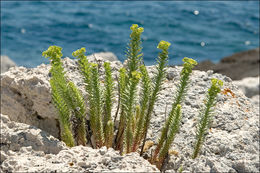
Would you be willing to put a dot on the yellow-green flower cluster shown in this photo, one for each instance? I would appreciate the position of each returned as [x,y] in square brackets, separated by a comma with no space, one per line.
[216,85]
[53,52]
[79,52]
[188,65]
[136,75]
[136,29]
[164,45]
[94,65]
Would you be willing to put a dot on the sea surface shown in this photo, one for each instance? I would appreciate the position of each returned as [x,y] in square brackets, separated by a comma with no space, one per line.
[198,29]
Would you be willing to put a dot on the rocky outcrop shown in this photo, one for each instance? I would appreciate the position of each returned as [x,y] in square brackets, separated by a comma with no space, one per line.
[26,98]
[26,148]
[15,135]
[237,66]
[108,56]
[6,63]
[256,100]
[250,86]
[232,144]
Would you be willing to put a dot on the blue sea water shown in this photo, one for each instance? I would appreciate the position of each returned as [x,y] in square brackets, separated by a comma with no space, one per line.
[198,29]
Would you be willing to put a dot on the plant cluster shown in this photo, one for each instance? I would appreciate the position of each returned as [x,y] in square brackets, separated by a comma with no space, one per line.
[134,114]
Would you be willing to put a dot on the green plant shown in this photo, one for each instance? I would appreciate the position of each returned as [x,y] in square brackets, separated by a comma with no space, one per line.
[134,49]
[122,85]
[96,113]
[67,100]
[129,105]
[206,115]
[108,94]
[178,98]
[135,112]
[173,129]
[86,70]
[134,57]
[141,110]
[156,87]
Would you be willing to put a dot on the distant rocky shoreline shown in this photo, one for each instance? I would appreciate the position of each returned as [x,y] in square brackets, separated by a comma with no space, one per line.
[237,66]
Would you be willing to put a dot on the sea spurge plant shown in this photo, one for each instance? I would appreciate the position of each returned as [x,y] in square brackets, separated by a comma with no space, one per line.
[188,65]
[64,115]
[80,53]
[156,86]
[108,95]
[206,115]
[89,72]
[134,49]
[163,45]
[84,67]
[109,134]
[178,98]
[174,127]
[137,116]
[78,107]
[122,80]
[64,94]
[122,86]
[96,113]
[53,53]
[135,106]
[134,57]
[142,109]
[129,99]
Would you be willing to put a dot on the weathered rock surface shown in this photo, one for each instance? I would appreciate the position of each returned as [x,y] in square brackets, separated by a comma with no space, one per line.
[108,56]
[237,66]
[6,63]
[250,86]
[232,144]
[26,148]
[15,135]
[256,100]
[26,98]
[233,141]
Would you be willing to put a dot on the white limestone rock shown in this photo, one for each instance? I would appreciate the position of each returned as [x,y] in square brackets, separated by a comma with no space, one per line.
[108,56]
[25,148]
[26,97]
[250,86]
[6,63]
[15,136]
[232,144]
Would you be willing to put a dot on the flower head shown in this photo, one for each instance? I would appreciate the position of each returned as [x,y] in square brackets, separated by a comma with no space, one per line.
[188,65]
[136,75]
[136,29]
[216,85]
[133,27]
[94,65]
[79,52]
[140,29]
[53,52]
[164,45]
[189,61]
